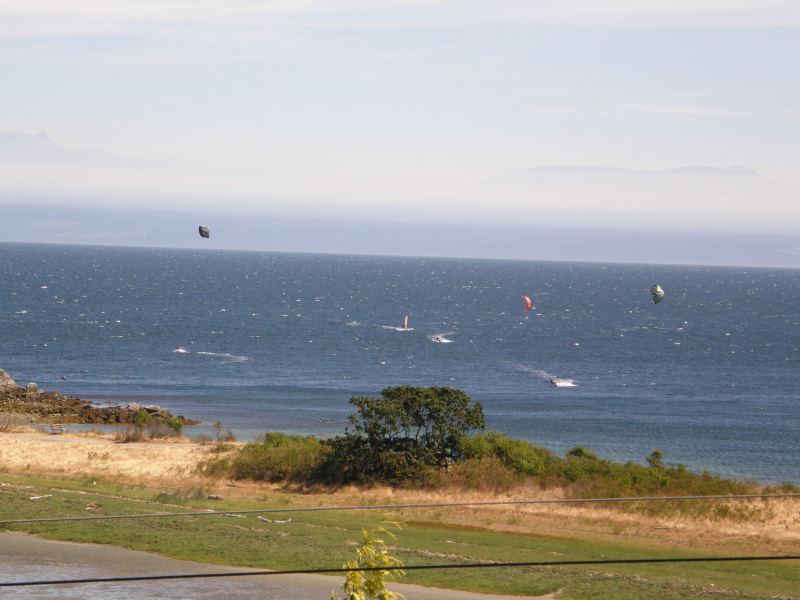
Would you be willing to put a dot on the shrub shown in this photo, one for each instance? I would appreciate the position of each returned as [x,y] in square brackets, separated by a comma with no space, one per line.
[141,419]
[355,459]
[215,467]
[280,457]
[581,452]
[175,424]
[163,428]
[520,456]
[601,478]
[223,435]
[487,473]
[129,434]
[147,426]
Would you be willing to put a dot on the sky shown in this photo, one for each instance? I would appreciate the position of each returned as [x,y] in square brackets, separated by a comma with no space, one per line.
[414,111]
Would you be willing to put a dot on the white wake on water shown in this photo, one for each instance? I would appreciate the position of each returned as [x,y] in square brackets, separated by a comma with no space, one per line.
[441,338]
[549,377]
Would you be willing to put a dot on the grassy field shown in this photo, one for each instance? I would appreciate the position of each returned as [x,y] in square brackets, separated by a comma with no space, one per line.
[327,539]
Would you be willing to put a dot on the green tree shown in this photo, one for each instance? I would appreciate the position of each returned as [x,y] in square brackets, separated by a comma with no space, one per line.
[435,418]
[401,435]
[656,459]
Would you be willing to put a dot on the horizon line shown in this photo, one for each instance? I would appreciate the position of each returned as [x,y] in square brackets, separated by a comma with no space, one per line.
[399,256]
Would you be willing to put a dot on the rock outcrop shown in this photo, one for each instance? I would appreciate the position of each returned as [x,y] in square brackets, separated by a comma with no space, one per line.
[6,382]
[55,407]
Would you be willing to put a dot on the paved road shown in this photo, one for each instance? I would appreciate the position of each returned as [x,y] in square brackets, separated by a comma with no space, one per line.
[24,557]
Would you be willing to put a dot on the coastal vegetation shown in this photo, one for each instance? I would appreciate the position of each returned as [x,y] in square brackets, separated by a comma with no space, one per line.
[419,445]
[433,438]
[149,425]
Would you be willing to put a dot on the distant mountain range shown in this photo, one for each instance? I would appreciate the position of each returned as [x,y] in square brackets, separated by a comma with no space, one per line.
[39,148]
[52,193]
[38,223]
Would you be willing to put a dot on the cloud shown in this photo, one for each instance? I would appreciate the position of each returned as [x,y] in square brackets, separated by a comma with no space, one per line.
[682,198]
[697,111]
[147,10]
[22,18]
[228,31]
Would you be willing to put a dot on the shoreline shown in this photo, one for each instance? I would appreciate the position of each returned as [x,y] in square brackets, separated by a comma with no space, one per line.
[330,424]
[33,405]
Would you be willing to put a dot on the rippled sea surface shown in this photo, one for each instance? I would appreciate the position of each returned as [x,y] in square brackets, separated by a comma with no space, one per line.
[711,376]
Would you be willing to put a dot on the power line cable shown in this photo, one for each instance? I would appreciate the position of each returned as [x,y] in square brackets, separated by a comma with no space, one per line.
[207,513]
[563,563]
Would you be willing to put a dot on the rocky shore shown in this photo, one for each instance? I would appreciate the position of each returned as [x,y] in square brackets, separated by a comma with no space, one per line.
[55,407]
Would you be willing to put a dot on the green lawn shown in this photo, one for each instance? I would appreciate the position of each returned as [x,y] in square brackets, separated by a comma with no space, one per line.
[321,540]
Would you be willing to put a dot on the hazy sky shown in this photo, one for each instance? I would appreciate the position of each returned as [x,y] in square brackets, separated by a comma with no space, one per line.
[386,108]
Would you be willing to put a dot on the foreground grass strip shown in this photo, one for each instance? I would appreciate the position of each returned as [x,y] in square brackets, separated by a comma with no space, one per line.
[334,570]
[252,543]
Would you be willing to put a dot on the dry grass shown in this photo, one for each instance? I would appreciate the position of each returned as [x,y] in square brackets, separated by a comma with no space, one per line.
[128,434]
[162,462]
[94,433]
[774,526]
[13,422]
[170,464]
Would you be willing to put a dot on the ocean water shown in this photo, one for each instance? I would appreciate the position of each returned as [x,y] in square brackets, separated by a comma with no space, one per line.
[281,342]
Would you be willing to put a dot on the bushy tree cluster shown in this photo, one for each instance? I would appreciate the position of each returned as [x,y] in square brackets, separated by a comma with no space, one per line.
[402,433]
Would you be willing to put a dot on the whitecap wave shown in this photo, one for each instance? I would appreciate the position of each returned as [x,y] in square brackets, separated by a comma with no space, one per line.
[225,355]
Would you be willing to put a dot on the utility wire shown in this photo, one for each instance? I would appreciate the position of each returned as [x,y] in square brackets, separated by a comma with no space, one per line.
[563,563]
[208,513]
